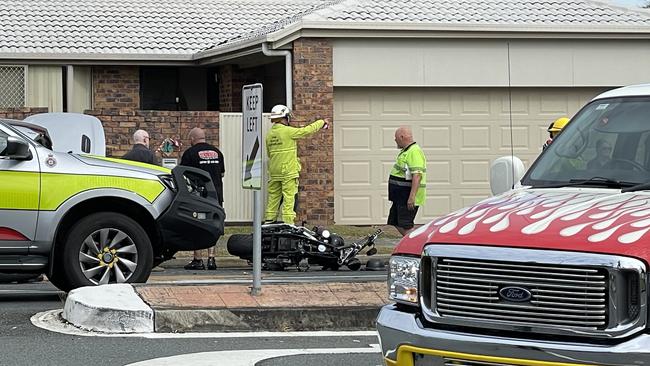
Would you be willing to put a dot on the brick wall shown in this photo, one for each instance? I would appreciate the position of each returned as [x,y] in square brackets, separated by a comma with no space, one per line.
[313,94]
[119,126]
[21,113]
[116,87]
[231,81]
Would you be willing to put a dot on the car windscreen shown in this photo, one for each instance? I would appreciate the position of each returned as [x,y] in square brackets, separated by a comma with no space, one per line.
[609,139]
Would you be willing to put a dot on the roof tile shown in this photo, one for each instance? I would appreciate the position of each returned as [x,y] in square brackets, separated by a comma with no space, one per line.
[185,27]
[175,27]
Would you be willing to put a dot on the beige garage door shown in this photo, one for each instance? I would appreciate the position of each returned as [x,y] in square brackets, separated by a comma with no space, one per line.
[461,130]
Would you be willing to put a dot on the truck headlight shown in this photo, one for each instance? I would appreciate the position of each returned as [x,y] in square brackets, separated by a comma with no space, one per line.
[403,279]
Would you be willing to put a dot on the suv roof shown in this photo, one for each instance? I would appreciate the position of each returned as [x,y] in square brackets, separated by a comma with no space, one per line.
[626,91]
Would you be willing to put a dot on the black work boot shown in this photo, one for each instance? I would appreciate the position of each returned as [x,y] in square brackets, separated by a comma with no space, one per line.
[212,264]
[195,264]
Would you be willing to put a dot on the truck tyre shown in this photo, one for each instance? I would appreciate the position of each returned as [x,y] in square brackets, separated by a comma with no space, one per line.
[106,247]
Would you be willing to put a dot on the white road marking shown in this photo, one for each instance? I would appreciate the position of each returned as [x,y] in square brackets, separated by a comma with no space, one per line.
[246,357]
[50,320]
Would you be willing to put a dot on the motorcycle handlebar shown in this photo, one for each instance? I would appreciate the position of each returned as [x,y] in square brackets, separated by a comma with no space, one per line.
[369,239]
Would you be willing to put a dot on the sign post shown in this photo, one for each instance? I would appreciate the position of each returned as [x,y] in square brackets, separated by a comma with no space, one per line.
[252,170]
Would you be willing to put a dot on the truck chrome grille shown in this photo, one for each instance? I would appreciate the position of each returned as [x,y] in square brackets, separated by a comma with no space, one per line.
[558,295]
[536,291]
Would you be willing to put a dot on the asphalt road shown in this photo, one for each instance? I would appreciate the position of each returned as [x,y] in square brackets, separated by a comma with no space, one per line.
[21,343]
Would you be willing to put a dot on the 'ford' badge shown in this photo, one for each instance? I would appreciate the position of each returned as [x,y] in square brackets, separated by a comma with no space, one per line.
[516,294]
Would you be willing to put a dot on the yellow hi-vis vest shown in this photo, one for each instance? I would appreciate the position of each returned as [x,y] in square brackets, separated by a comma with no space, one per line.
[282,149]
[410,160]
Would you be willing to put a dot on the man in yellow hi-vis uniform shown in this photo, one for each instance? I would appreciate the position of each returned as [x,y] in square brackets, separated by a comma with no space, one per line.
[284,166]
[407,182]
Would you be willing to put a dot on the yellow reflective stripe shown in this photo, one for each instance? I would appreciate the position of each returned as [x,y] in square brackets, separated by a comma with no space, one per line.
[405,358]
[18,190]
[57,188]
[129,162]
[286,149]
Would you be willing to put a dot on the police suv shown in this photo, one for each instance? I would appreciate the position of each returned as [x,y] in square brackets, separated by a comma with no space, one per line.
[91,220]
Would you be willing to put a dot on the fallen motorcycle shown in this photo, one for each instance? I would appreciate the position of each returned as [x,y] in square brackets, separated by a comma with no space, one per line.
[285,245]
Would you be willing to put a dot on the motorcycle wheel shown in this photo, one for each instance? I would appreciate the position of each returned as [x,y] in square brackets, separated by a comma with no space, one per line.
[241,245]
[354,264]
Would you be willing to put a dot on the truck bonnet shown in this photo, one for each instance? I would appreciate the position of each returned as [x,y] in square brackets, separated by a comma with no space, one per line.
[598,221]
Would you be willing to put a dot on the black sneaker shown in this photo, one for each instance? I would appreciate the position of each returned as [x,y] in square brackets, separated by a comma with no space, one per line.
[195,264]
[212,264]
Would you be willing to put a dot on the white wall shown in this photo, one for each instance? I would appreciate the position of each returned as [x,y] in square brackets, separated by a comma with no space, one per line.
[238,202]
[484,62]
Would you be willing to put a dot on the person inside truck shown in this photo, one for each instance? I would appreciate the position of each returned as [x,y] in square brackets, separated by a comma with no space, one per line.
[603,155]
[622,158]
[554,129]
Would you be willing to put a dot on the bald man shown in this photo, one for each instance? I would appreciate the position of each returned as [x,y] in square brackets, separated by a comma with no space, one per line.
[140,151]
[407,182]
[207,157]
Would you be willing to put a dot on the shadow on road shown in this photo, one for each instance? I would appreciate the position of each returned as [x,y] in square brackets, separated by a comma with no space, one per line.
[29,292]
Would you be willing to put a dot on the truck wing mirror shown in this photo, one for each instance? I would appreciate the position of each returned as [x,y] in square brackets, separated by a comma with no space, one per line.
[504,173]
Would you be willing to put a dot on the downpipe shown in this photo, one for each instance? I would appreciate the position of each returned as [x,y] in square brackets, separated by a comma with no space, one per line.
[288,66]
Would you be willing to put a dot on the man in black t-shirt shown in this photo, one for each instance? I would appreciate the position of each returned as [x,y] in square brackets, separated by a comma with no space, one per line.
[207,157]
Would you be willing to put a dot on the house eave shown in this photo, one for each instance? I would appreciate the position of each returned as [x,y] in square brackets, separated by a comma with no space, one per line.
[405,30]
[504,28]
[97,58]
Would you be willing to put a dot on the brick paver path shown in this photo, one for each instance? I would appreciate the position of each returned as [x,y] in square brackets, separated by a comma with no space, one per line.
[273,295]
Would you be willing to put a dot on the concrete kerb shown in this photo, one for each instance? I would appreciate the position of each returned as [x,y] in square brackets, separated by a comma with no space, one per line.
[119,309]
[114,308]
[267,319]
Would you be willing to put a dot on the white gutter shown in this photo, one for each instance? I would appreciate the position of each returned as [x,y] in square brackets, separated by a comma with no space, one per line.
[229,47]
[288,70]
[415,26]
[98,56]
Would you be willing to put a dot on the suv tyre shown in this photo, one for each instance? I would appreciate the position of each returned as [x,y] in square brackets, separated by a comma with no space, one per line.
[106,247]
